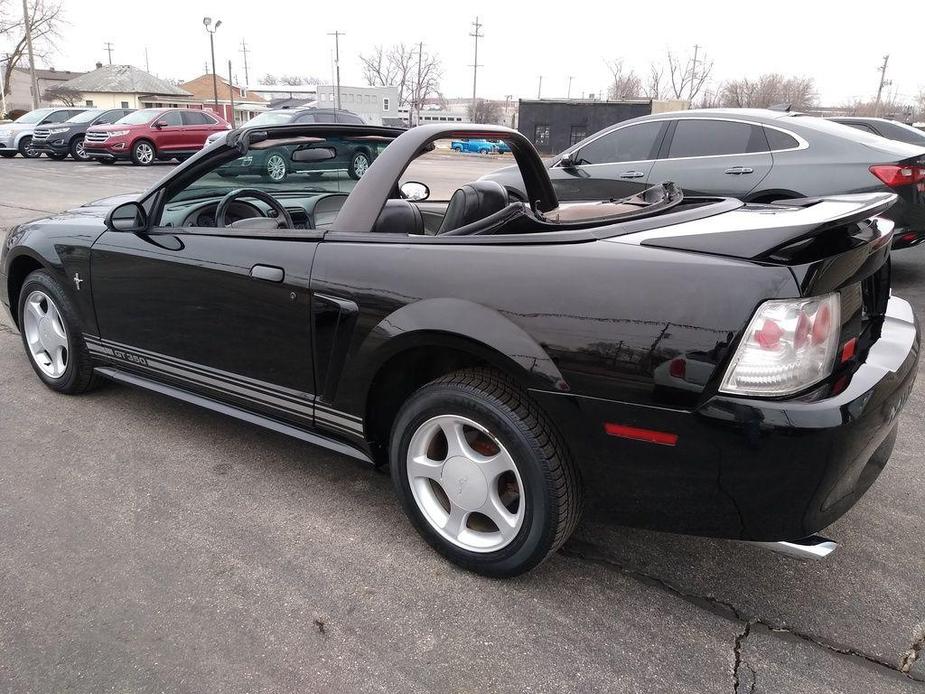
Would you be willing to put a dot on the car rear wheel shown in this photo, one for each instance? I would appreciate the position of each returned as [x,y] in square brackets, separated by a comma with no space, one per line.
[483,474]
[143,153]
[358,165]
[275,167]
[50,330]
[457,148]
[78,153]
[25,148]
[483,151]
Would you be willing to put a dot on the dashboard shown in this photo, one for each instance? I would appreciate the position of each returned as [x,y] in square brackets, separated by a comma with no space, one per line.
[308,211]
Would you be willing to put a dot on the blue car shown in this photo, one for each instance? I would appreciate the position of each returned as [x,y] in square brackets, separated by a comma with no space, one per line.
[480,146]
[501,146]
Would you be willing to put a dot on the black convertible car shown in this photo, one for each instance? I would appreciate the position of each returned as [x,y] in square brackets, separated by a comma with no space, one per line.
[689,364]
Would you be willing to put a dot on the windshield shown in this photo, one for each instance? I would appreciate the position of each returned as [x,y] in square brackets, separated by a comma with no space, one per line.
[276,167]
[145,115]
[34,116]
[271,118]
[86,116]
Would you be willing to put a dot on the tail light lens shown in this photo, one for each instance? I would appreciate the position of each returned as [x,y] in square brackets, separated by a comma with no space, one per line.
[895,175]
[789,345]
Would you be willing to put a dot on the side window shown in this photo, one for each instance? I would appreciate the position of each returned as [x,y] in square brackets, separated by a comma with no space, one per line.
[780,140]
[195,118]
[172,118]
[108,117]
[632,143]
[59,116]
[704,138]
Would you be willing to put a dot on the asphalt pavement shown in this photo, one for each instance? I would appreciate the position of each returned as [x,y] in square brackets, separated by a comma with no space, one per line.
[149,546]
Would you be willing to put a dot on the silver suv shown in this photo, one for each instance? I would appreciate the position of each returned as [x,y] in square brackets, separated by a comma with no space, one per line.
[16,137]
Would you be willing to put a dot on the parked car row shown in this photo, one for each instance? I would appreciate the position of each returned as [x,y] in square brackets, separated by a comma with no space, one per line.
[755,155]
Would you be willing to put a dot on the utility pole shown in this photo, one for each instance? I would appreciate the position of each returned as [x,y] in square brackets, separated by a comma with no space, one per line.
[539,89]
[247,79]
[337,34]
[231,94]
[207,23]
[147,63]
[884,82]
[690,97]
[419,93]
[108,49]
[569,94]
[27,23]
[2,90]
[475,63]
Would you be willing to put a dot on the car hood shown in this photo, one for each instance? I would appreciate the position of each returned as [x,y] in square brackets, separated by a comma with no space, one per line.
[17,127]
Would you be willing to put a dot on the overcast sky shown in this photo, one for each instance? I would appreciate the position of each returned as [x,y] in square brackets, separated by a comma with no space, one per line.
[839,46]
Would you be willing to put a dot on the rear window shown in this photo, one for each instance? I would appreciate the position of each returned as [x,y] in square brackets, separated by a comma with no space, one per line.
[780,140]
[196,118]
[704,138]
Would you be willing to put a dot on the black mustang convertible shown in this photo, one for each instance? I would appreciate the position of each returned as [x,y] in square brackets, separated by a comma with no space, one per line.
[689,364]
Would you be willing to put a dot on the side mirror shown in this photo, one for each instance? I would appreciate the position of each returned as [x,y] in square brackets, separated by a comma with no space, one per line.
[128,217]
[414,191]
[568,161]
[313,154]
[161,124]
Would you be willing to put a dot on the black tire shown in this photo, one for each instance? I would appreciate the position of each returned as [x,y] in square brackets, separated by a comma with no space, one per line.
[56,156]
[552,490]
[7,155]
[359,163]
[78,376]
[140,156]
[24,149]
[77,148]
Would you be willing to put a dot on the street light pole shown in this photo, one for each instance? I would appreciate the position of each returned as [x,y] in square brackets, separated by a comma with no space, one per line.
[337,35]
[207,22]
[27,23]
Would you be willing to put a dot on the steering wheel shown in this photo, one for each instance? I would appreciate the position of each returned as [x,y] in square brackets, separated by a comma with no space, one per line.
[283,219]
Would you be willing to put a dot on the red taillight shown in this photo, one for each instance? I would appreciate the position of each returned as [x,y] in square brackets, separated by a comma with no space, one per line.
[895,175]
[677,368]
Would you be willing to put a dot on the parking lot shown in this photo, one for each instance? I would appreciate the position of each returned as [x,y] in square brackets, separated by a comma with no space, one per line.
[151,546]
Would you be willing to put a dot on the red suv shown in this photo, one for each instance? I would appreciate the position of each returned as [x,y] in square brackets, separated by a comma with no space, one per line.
[152,133]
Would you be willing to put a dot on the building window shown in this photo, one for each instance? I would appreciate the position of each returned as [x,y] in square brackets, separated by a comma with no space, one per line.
[579,133]
[541,135]
[385,103]
[124,104]
[89,103]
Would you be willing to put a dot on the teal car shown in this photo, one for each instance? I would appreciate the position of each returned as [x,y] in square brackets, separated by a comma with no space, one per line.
[480,146]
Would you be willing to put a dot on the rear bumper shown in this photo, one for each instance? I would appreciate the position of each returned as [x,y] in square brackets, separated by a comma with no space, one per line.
[747,469]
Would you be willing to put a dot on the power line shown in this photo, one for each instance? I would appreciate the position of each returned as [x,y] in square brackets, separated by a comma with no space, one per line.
[108,48]
[475,63]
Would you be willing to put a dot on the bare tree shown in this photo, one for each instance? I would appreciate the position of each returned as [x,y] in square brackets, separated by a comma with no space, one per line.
[687,75]
[290,80]
[890,107]
[767,90]
[484,111]
[269,79]
[400,66]
[655,84]
[66,95]
[624,84]
[45,17]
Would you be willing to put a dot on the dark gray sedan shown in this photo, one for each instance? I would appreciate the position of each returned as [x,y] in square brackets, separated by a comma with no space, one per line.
[756,155]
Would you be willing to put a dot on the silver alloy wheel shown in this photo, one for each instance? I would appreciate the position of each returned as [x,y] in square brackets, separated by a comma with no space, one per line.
[30,151]
[360,164]
[45,334]
[79,148]
[472,498]
[276,167]
[144,153]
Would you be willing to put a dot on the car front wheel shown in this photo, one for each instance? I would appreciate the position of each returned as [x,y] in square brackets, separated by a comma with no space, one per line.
[25,149]
[275,167]
[358,165]
[143,153]
[50,330]
[483,474]
[78,153]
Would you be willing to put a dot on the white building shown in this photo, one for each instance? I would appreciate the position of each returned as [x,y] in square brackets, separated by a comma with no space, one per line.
[375,105]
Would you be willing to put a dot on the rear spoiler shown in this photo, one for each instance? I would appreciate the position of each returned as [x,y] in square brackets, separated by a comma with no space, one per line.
[756,232]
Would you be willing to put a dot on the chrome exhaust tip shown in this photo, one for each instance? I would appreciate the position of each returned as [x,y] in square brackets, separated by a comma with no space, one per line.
[813,547]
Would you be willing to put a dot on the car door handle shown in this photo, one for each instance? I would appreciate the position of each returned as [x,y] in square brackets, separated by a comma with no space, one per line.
[632,174]
[267,273]
[739,170]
